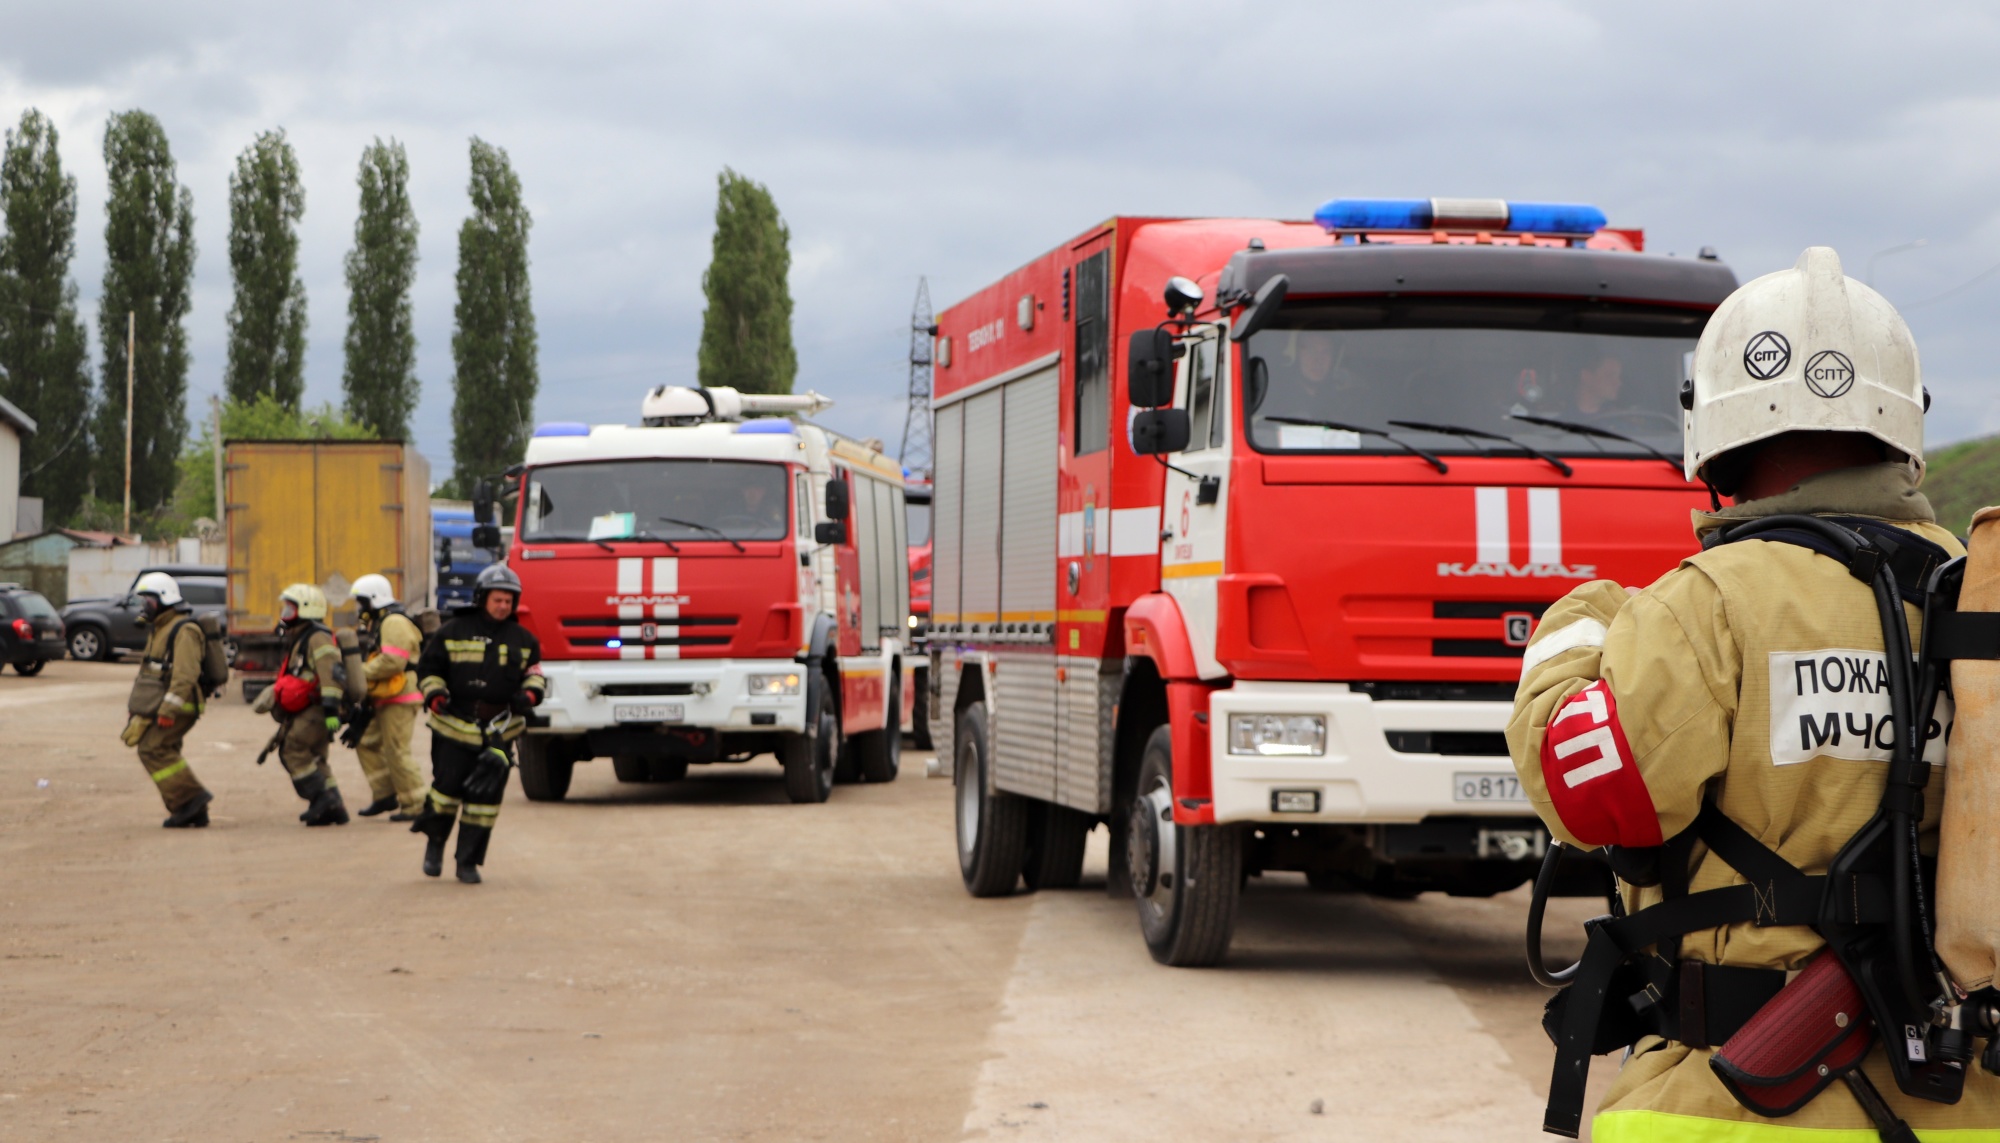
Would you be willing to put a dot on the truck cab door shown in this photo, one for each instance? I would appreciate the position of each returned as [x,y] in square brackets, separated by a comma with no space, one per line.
[1196,501]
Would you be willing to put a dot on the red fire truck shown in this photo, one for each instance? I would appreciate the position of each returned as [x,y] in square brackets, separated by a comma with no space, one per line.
[709,586]
[1263,606]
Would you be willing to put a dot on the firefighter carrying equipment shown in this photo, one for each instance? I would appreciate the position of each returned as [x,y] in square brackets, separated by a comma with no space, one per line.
[477,664]
[174,671]
[1804,349]
[1780,1044]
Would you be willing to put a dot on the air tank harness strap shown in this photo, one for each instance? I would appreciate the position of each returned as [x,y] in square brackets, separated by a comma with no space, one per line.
[1622,992]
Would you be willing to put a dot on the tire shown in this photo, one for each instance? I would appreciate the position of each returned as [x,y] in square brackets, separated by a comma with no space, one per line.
[544,778]
[669,769]
[878,754]
[632,767]
[1186,879]
[811,758]
[920,716]
[89,642]
[992,827]
[31,667]
[1056,837]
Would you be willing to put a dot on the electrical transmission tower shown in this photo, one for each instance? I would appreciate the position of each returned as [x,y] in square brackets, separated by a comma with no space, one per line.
[916,453]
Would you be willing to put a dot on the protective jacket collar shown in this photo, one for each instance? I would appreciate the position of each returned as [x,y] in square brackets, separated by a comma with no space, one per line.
[1886,491]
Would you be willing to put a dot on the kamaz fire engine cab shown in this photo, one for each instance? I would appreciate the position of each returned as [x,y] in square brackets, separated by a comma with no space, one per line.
[1263,605]
[719,582]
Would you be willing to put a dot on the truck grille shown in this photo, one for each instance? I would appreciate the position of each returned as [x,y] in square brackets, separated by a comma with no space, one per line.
[1474,649]
[1482,609]
[638,690]
[1473,743]
[1433,692]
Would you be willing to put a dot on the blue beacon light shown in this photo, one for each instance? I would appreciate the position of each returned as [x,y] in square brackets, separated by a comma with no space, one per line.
[1551,218]
[562,429]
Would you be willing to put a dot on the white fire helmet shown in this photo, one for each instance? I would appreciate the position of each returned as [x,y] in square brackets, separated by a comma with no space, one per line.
[373,591]
[307,602]
[1804,349]
[160,584]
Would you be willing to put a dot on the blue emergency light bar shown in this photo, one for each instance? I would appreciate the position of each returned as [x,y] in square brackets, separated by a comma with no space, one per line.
[1553,218]
[766,426]
[562,429]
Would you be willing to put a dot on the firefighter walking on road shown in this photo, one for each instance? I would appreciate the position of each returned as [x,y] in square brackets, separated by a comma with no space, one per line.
[480,676]
[1733,732]
[166,700]
[391,643]
[308,694]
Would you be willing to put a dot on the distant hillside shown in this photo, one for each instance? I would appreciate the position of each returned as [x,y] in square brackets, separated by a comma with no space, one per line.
[1962,479]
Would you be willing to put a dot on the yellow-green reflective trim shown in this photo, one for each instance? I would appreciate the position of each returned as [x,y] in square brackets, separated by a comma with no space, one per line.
[170,769]
[1661,1127]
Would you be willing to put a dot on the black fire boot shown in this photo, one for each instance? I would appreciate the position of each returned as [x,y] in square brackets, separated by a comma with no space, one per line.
[379,806]
[329,808]
[192,814]
[436,828]
[309,788]
[471,854]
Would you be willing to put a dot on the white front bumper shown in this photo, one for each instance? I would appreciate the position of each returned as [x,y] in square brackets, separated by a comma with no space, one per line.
[720,696]
[1359,778]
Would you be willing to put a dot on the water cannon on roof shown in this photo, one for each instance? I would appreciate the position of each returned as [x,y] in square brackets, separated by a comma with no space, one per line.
[682,405]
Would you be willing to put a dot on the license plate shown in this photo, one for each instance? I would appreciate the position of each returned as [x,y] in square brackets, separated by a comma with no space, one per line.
[649,712]
[1486,788]
[51,637]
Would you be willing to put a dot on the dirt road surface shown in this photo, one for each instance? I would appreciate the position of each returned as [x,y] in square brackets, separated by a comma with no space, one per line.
[692,961]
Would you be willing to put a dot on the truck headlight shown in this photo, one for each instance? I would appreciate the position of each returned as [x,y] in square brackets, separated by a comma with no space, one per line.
[1268,734]
[774,684]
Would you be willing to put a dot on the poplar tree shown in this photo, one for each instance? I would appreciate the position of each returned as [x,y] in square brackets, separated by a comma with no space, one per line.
[380,377]
[493,345]
[148,268]
[43,352]
[267,322]
[746,331]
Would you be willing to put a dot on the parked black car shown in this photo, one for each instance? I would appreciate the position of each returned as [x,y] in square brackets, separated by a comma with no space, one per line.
[100,627]
[31,633]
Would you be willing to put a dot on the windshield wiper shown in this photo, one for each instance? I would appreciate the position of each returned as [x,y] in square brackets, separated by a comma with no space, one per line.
[643,534]
[1594,431]
[1342,427]
[711,530]
[1477,435]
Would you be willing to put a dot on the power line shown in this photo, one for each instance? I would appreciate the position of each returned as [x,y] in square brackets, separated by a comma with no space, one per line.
[1955,290]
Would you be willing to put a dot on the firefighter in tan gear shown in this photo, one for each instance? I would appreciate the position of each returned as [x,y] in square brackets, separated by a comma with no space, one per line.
[308,697]
[166,700]
[1739,705]
[391,642]
[481,675]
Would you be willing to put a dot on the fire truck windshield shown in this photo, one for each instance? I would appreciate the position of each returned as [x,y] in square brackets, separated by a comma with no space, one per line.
[1473,363]
[677,500]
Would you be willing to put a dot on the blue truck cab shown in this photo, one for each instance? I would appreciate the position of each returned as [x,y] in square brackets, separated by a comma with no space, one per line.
[458,562]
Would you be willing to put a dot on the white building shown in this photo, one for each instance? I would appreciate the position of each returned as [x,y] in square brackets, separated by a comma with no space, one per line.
[14,426]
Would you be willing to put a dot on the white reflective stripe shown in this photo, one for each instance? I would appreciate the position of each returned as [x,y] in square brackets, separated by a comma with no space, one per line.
[666,575]
[1100,542]
[1490,515]
[1582,633]
[1134,531]
[666,611]
[1545,526]
[1069,535]
[631,652]
[631,611]
[665,652]
[630,572]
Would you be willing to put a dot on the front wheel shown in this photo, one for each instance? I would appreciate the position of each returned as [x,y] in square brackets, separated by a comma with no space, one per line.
[544,775]
[992,827]
[1186,878]
[89,643]
[811,757]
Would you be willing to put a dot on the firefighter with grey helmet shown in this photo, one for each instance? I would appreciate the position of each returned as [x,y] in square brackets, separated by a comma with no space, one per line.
[1727,737]
[391,643]
[166,699]
[480,676]
[307,698]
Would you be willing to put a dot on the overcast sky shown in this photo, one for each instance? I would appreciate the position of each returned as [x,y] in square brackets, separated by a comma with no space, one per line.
[959,140]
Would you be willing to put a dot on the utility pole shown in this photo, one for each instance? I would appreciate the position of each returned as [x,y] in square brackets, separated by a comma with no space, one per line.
[221,501]
[131,347]
[916,451]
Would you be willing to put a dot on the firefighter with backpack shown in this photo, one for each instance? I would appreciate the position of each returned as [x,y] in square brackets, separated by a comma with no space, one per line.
[381,732]
[174,677]
[306,699]
[1759,749]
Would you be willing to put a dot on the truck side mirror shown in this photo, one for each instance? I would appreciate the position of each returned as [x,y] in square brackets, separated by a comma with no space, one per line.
[830,531]
[1263,307]
[836,501]
[486,536]
[1157,431]
[482,502]
[1149,368]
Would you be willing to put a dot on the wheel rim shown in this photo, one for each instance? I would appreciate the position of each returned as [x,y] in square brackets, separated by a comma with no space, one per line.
[83,644]
[967,778]
[1151,856]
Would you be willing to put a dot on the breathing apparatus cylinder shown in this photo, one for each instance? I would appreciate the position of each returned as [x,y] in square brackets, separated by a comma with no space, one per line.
[1968,879]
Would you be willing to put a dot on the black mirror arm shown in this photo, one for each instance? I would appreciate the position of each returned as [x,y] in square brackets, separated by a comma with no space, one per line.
[1208,489]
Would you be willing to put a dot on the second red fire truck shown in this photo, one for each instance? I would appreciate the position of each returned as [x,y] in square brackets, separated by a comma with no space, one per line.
[1241,528]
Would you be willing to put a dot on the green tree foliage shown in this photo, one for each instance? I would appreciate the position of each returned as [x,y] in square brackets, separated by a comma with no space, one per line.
[746,331]
[43,351]
[493,346]
[381,373]
[261,420]
[148,266]
[267,322]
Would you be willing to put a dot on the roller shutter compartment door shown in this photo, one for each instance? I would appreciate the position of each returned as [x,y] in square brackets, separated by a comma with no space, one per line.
[946,542]
[900,579]
[868,559]
[979,522]
[892,564]
[1028,508]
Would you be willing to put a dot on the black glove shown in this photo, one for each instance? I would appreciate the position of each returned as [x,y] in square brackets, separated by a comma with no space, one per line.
[437,702]
[524,701]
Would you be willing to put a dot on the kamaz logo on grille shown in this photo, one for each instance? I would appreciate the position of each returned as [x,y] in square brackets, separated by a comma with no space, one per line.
[1495,544]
